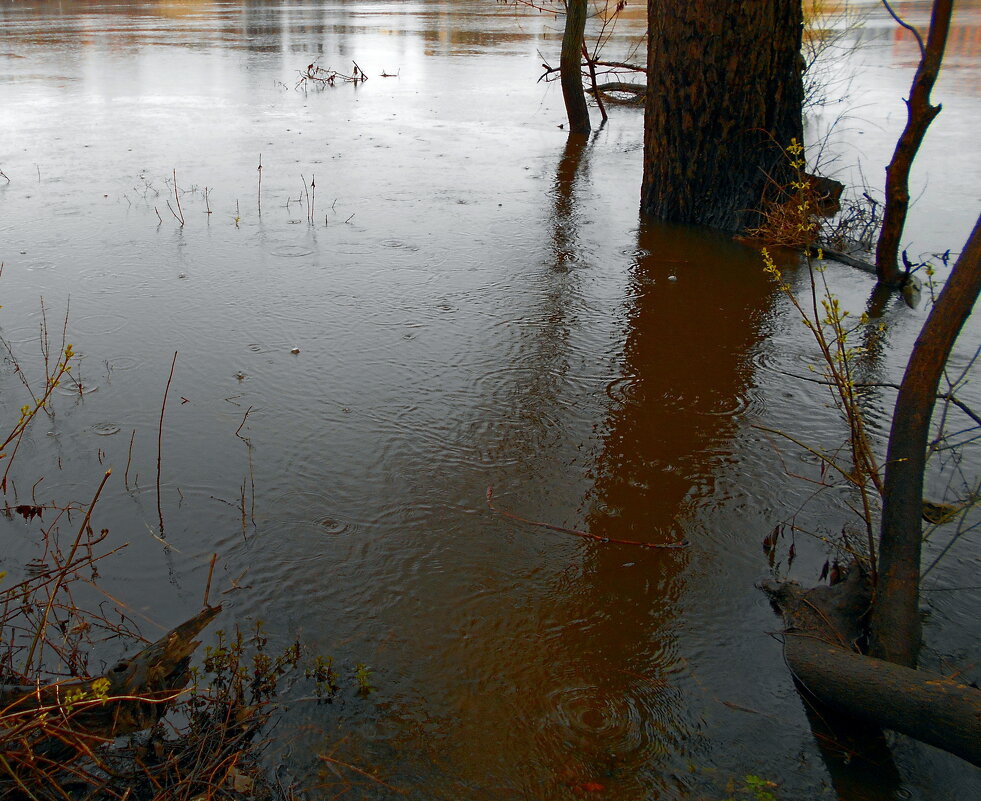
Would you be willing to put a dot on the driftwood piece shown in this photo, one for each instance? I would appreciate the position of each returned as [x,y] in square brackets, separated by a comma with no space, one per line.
[138,690]
[835,614]
[844,258]
[826,200]
[637,92]
[824,629]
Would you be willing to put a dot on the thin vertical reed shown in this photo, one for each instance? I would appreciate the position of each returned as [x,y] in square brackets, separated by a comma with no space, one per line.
[163,407]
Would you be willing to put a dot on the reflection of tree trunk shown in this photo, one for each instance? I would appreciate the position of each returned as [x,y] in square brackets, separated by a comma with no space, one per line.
[919,116]
[896,616]
[685,372]
[565,229]
[697,301]
[572,91]
[724,99]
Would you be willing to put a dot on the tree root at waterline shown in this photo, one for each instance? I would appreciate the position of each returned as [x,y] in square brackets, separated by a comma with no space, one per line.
[824,629]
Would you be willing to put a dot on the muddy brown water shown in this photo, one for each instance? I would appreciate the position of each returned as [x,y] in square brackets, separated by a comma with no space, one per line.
[476,305]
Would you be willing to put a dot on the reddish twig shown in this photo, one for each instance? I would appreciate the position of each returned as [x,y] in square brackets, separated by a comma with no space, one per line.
[586,534]
[62,574]
[129,459]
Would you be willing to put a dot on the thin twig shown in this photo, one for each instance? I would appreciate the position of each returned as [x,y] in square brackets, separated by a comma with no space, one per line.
[129,459]
[586,534]
[244,418]
[179,214]
[207,587]
[163,407]
[42,625]
[358,770]
[946,396]
[907,26]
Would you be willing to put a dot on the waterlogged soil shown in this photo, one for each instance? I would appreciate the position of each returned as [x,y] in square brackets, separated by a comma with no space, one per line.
[425,292]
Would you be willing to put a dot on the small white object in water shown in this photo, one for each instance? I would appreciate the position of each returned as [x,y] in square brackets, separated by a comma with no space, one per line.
[672,278]
[295,350]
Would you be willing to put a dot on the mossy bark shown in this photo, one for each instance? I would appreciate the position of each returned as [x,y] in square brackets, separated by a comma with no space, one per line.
[824,629]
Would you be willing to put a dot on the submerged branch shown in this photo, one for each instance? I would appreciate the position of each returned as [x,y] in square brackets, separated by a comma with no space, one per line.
[824,626]
[579,533]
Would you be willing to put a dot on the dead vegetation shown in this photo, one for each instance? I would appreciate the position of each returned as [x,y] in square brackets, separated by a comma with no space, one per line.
[319,77]
[147,727]
[132,731]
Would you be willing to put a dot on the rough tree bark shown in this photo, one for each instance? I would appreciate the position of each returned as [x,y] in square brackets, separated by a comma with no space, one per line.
[919,116]
[896,616]
[724,100]
[571,67]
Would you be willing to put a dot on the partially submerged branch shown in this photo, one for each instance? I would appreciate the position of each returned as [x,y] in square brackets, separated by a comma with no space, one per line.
[636,93]
[316,75]
[131,696]
[821,639]
[588,535]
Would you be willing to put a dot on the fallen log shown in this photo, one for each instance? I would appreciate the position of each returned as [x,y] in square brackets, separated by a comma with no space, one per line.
[844,258]
[637,90]
[821,645]
[131,696]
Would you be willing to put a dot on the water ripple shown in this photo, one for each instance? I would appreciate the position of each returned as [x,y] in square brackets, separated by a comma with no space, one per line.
[290,251]
[99,323]
[125,362]
[618,728]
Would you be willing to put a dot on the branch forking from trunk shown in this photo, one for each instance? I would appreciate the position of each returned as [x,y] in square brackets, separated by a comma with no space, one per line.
[920,113]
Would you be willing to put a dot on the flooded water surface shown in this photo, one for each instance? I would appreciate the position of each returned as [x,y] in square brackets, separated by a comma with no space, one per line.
[426,324]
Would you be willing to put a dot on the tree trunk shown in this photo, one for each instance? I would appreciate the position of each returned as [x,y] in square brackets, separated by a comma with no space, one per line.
[724,100]
[571,67]
[824,625]
[919,116]
[931,708]
[896,624]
